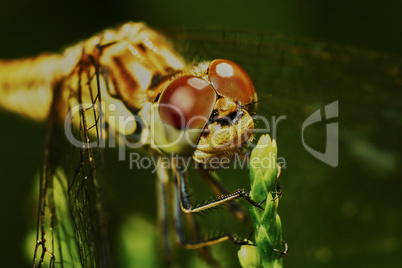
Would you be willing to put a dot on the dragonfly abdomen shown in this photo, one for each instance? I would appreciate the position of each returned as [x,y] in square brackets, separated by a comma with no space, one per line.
[26,85]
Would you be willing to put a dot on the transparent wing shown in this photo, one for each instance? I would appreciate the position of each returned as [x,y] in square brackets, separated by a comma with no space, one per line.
[295,77]
[72,228]
[290,70]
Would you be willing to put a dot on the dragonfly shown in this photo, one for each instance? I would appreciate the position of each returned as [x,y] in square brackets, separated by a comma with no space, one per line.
[129,73]
[279,66]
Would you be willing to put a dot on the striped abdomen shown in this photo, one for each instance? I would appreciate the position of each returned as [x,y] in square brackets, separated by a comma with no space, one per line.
[26,85]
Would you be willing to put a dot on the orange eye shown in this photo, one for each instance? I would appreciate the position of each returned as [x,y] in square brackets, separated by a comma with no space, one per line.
[187,102]
[230,80]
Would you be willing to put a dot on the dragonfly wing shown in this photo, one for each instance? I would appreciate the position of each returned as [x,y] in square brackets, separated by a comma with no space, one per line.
[72,225]
[55,228]
[291,71]
[294,77]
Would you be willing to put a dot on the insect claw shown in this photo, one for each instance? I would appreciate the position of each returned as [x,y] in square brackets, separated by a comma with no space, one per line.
[278,193]
[283,252]
[262,202]
[239,241]
[279,170]
[254,203]
[258,205]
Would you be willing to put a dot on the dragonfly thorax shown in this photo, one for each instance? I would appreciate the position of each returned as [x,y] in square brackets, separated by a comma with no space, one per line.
[200,111]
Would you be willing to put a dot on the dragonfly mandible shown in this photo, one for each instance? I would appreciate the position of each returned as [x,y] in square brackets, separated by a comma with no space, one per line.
[131,85]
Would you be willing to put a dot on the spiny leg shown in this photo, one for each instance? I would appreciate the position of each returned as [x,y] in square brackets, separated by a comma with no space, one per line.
[186,206]
[279,190]
[161,193]
[202,242]
[283,252]
[163,219]
[182,203]
[204,252]
[219,189]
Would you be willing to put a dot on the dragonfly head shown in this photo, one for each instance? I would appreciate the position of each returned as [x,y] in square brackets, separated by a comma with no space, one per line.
[206,114]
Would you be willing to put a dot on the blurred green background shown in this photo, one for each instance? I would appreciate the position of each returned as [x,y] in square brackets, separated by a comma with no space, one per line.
[349,216]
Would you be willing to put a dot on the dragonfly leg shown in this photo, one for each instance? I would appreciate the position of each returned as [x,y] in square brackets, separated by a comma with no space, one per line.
[204,252]
[278,193]
[161,193]
[220,189]
[283,252]
[279,190]
[200,243]
[163,221]
[186,206]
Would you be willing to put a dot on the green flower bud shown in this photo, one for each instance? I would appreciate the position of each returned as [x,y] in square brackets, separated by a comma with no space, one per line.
[266,223]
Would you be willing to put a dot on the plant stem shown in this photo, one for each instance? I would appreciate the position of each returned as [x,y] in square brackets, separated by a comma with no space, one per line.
[266,223]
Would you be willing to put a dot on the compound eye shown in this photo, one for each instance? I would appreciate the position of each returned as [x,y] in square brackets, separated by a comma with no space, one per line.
[232,81]
[187,102]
